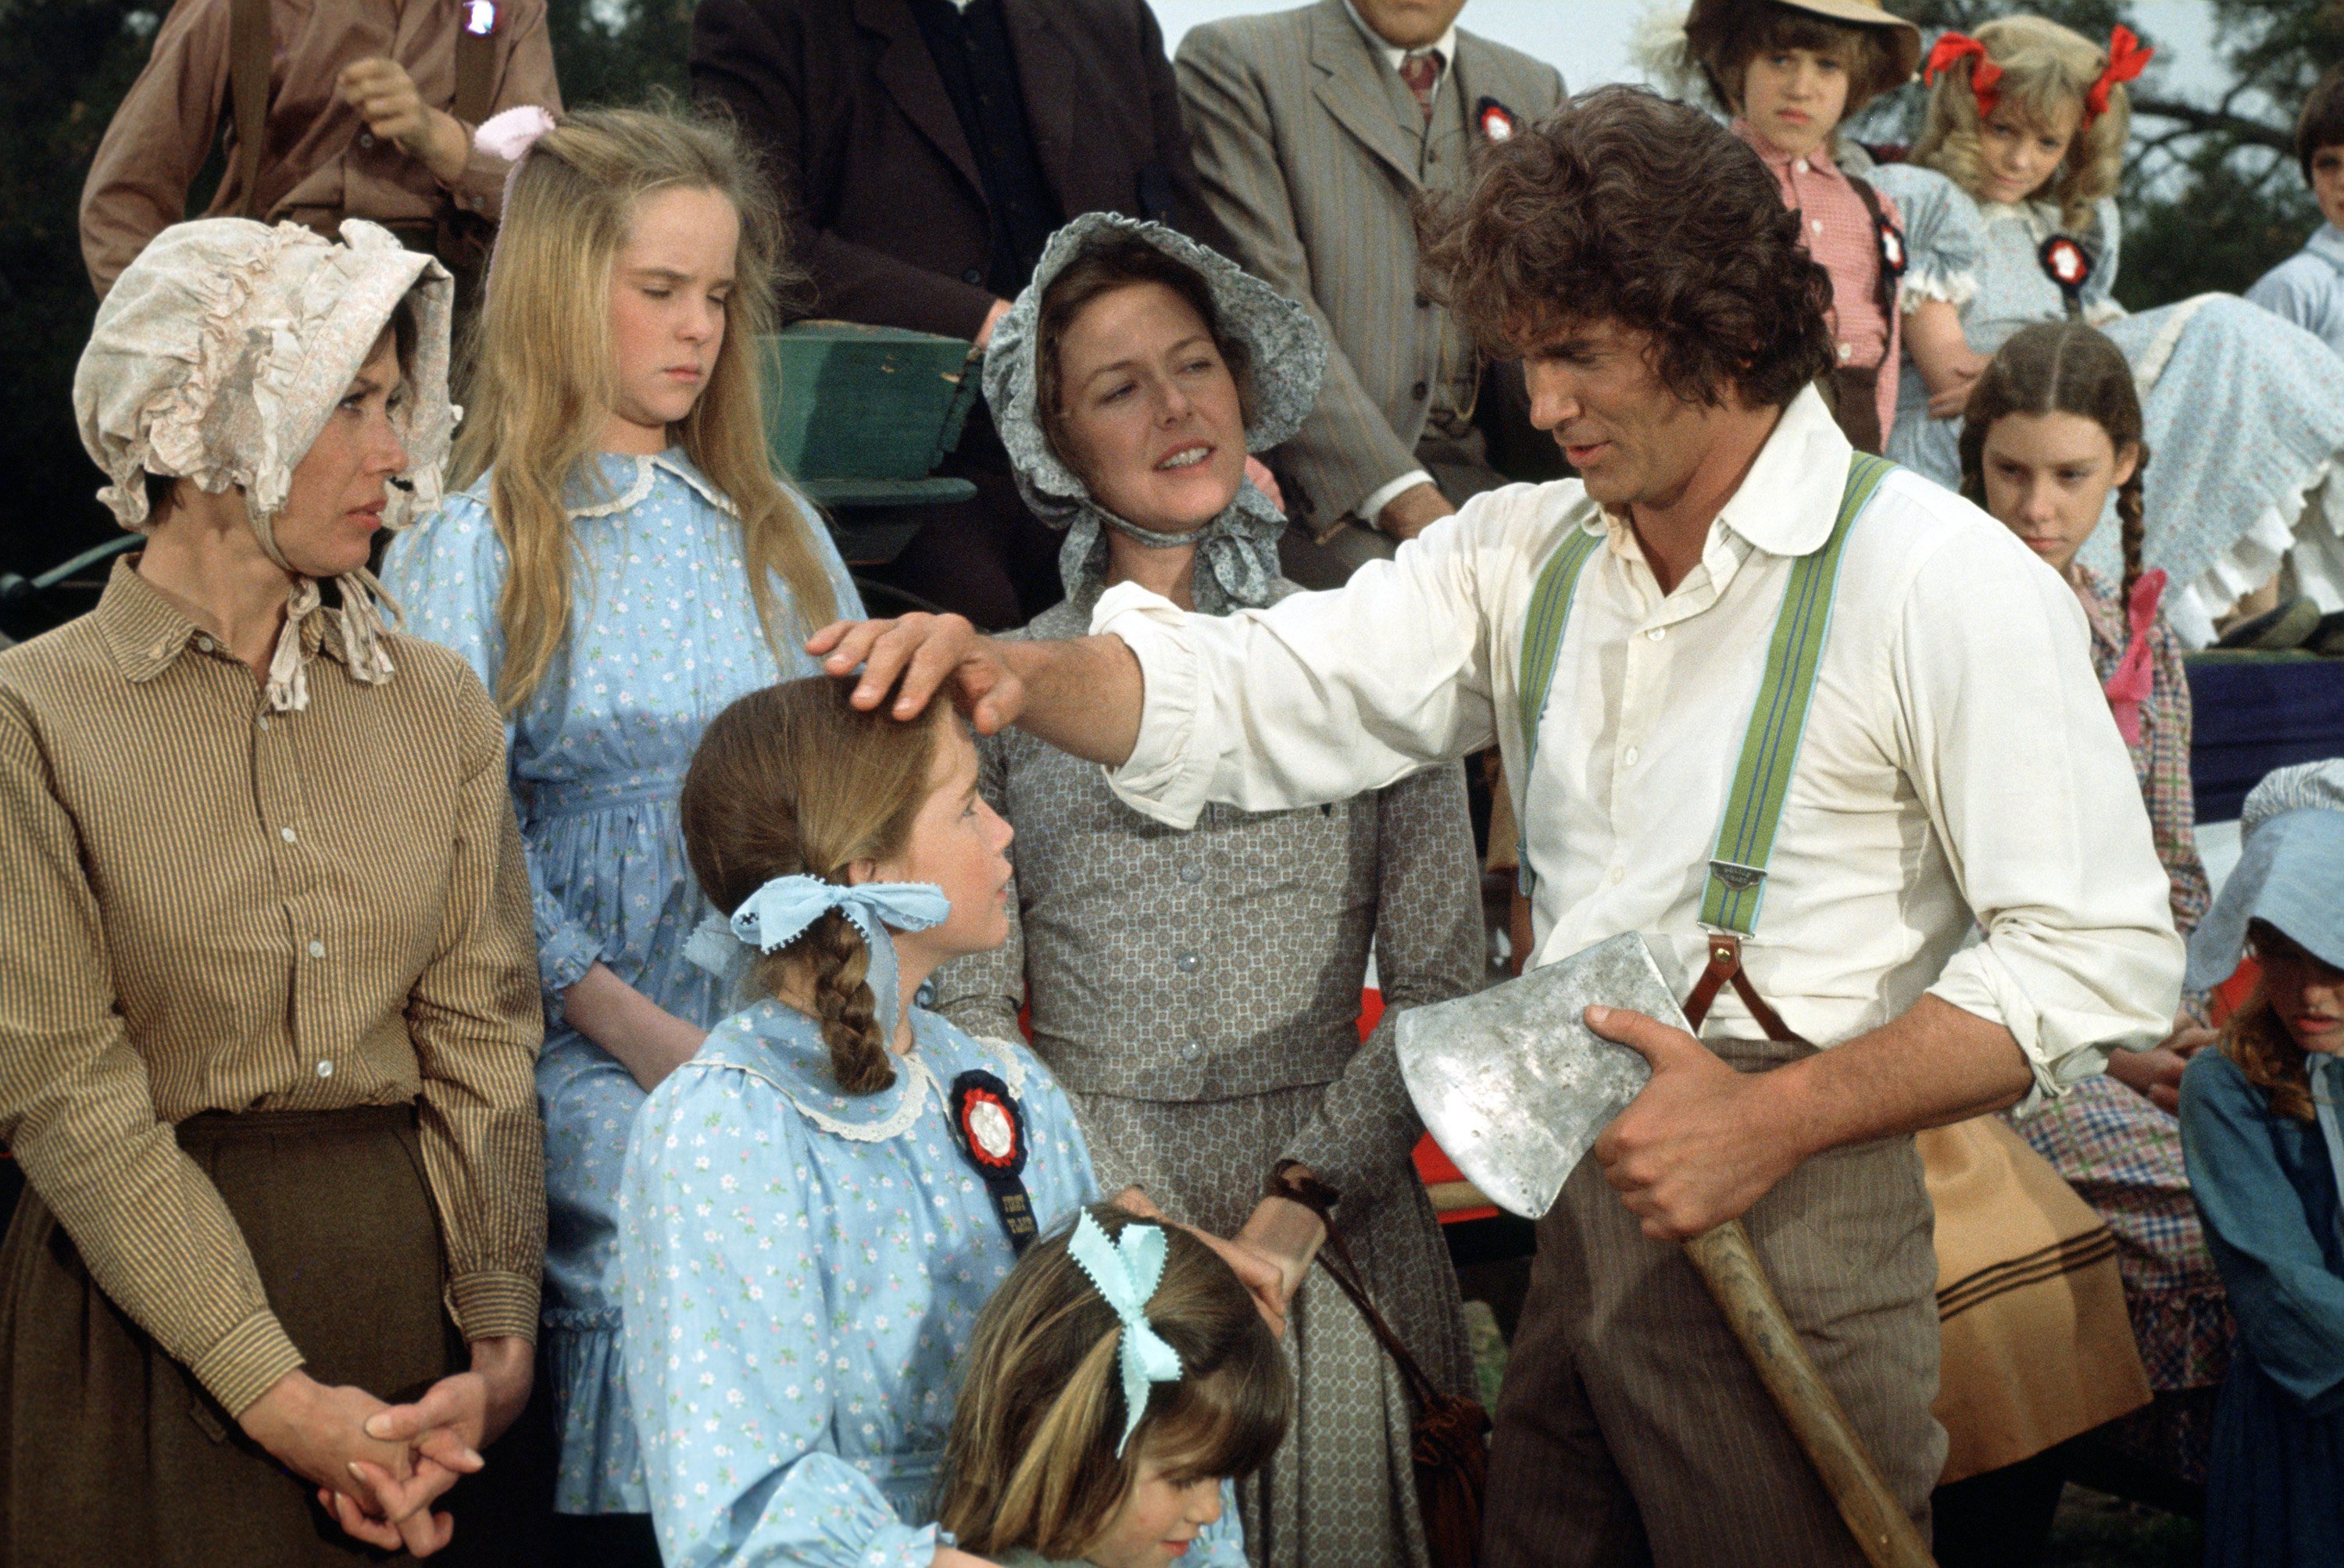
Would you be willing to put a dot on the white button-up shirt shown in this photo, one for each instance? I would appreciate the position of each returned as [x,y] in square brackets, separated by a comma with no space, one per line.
[1960,767]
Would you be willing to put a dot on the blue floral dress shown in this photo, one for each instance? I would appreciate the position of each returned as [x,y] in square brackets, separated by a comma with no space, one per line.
[663,633]
[2244,410]
[803,1271]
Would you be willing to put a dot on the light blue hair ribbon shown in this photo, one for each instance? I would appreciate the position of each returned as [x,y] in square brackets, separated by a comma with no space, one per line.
[1127,1272]
[778,914]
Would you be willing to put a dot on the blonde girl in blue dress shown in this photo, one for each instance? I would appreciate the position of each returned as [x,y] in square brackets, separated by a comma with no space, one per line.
[817,1204]
[2011,218]
[1117,1384]
[621,564]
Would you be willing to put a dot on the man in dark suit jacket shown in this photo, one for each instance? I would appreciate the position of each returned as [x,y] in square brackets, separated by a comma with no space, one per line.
[926,150]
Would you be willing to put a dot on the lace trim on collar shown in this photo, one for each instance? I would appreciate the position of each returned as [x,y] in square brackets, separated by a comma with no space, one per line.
[639,486]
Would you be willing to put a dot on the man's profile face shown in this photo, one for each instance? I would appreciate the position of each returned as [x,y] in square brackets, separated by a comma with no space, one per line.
[1409,24]
[1592,388]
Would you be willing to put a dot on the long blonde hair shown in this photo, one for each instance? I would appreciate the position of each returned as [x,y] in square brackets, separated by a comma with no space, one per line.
[1031,1461]
[540,370]
[2043,65]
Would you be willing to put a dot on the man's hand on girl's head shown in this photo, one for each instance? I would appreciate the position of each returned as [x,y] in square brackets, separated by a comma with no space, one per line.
[924,653]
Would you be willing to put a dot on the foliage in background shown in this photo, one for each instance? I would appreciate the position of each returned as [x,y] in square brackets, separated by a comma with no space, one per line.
[67,64]
[2212,199]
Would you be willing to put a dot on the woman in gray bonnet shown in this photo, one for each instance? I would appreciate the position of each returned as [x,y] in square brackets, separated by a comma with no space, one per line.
[1198,993]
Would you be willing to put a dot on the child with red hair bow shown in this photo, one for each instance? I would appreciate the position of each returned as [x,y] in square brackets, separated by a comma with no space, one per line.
[2010,219]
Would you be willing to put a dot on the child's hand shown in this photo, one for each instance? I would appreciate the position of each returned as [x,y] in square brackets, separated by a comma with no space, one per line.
[1948,366]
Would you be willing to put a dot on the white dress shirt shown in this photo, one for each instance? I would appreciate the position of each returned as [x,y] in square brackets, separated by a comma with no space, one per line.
[1443,50]
[1959,758]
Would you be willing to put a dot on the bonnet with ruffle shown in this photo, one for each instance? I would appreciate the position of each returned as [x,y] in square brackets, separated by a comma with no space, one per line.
[220,355]
[1236,557]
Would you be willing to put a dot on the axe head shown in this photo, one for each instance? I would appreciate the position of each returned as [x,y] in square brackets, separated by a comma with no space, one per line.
[1514,1086]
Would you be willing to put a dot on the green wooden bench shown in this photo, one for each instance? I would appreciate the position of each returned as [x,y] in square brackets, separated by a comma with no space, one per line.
[859,416]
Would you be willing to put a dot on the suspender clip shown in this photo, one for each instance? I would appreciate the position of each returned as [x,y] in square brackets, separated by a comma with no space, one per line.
[1740,878]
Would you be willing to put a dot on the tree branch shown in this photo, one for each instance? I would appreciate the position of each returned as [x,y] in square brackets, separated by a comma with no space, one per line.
[2252,132]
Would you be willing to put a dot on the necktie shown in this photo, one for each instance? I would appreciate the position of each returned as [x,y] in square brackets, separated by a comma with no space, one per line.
[1422,72]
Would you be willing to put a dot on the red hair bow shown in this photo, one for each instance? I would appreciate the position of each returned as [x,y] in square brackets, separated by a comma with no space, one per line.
[1952,48]
[2127,60]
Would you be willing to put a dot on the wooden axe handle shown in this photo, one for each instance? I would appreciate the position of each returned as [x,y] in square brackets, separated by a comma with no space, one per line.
[1728,1265]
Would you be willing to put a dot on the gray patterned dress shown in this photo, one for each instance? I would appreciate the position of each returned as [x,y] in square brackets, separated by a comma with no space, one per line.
[1197,994]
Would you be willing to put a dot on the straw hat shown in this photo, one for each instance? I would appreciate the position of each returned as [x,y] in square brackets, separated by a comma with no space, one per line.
[1708,26]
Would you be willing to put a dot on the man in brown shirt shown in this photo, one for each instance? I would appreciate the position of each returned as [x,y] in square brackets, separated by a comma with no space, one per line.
[358,122]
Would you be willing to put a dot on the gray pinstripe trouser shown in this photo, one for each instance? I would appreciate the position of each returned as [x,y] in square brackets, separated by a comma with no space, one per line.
[1632,1430]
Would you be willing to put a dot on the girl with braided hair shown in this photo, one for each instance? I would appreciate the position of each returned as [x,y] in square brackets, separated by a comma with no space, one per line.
[815,1207]
[2053,437]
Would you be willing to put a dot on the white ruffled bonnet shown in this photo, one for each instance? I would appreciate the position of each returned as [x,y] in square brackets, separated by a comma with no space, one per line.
[219,356]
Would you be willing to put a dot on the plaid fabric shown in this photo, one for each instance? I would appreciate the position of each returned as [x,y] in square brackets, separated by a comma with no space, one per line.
[2123,1156]
[1837,232]
[2162,758]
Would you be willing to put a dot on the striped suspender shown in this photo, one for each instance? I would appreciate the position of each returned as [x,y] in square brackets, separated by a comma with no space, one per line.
[1761,778]
[1542,645]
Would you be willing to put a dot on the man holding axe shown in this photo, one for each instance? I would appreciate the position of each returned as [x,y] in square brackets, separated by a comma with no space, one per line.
[1804,721]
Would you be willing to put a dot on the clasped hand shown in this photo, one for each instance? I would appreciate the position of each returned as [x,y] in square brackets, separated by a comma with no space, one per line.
[378,1467]
[1701,1143]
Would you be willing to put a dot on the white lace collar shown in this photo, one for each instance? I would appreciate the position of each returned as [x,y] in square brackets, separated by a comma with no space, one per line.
[782,1048]
[642,472]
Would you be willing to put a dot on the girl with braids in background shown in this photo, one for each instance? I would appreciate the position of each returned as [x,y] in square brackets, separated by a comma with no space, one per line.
[622,563]
[816,1206]
[2051,439]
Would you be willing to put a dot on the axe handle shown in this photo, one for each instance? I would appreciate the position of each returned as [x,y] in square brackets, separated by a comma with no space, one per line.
[1728,1265]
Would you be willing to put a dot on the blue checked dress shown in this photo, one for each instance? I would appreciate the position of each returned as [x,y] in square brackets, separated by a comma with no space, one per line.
[2244,410]
[664,634]
[803,1270]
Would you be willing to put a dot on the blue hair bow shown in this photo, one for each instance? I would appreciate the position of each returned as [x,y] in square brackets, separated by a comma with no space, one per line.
[777,915]
[1127,1272]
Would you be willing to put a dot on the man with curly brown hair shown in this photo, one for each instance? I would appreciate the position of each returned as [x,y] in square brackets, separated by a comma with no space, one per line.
[1727,594]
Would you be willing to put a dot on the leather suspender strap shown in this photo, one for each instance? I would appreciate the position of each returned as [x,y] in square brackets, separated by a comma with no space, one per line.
[1761,778]
[475,72]
[1726,964]
[250,51]
[1884,288]
[1542,646]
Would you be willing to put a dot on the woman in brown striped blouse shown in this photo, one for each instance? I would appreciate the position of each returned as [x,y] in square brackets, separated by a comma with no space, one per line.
[268,1008]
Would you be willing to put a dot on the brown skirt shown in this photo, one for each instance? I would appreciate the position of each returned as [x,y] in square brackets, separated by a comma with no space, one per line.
[114,1454]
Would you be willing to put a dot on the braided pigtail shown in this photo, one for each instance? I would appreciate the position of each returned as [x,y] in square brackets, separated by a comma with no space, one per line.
[839,965]
[2131,516]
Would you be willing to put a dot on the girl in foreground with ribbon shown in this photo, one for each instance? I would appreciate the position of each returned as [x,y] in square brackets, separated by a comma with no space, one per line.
[620,564]
[816,1206]
[2011,218]
[1116,1383]
[2259,1124]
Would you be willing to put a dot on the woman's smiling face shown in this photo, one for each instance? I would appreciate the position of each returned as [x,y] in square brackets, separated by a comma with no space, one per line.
[1148,411]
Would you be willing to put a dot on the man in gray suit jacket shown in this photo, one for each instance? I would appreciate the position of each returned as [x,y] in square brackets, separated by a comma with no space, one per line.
[1314,130]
